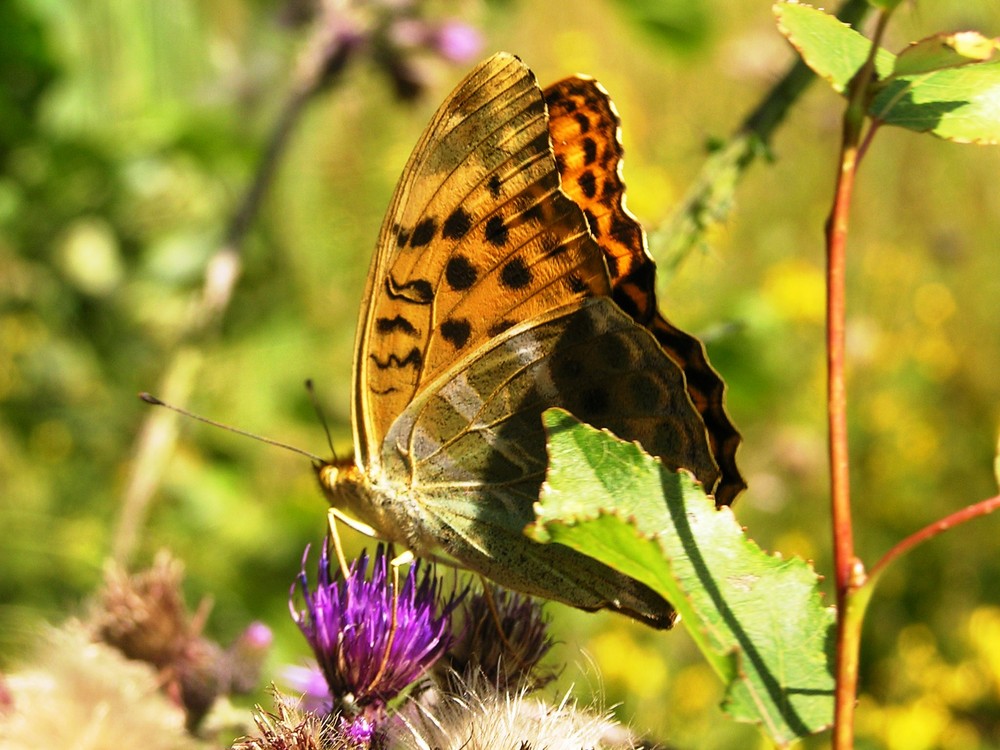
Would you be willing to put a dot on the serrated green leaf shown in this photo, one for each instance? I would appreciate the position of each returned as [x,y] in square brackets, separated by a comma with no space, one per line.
[944,51]
[830,47]
[758,619]
[959,104]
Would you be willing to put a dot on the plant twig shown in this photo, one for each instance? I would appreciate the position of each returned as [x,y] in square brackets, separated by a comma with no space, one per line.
[849,572]
[982,508]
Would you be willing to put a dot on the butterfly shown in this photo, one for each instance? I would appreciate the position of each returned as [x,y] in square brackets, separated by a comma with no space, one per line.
[509,278]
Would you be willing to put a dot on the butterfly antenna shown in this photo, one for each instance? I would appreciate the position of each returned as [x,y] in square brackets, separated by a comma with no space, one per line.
[311,390]
[150,399]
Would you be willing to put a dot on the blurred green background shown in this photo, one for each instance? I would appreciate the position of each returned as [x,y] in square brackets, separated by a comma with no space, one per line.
[129,130]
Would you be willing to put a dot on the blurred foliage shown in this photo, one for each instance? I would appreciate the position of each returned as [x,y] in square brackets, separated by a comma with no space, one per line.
[128,130]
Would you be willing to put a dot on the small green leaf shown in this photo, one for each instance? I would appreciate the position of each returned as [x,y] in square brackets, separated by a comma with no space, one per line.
[944,51]
[956,103]
[758,619]
[830,47]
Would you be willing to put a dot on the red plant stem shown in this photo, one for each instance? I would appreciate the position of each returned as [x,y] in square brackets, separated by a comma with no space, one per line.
[982,508]
[849,573]
[846,667]
[836,387]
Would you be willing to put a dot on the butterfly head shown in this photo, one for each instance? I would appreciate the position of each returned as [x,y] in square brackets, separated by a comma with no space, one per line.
[335,477]
[353,501]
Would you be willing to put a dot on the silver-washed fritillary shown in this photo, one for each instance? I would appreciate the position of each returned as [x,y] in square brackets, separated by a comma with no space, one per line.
[509,278]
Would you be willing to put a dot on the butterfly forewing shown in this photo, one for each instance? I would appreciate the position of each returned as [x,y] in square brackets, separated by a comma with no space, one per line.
[478,238]
[585,130]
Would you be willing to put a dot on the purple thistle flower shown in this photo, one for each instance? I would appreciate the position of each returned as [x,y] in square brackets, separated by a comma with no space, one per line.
[370,647]
[504,636]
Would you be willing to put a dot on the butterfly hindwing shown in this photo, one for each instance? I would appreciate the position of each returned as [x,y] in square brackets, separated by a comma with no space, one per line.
[472,444]
[585,131]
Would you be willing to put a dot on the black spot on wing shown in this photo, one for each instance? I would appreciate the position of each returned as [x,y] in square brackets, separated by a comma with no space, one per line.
[414,359]
[535,212]
[457,225]
[515,274]
[553,246]
[588,184]
[610,191]
[589,151]
[494,186]
[423,232]
[496,231]
[418,291]
[456,331]
[460,273]
[628,305]
[576,284]
[568,369]
[626,232]
[583,121]
[645,393]
[594,402]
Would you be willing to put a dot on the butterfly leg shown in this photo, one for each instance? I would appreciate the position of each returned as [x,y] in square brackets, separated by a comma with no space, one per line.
[334,515]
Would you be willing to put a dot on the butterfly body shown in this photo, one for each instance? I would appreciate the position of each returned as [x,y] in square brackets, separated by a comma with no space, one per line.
[490,300]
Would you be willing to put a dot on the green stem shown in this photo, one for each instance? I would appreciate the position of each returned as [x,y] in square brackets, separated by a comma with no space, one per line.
[710,198]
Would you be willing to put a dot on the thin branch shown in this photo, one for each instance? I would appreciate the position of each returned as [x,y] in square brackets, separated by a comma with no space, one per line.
[849,573]
[982,508]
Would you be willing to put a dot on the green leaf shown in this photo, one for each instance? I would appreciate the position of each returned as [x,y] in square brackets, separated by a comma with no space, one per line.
[830,47]
[944,51]
[758,619]
[956,103]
